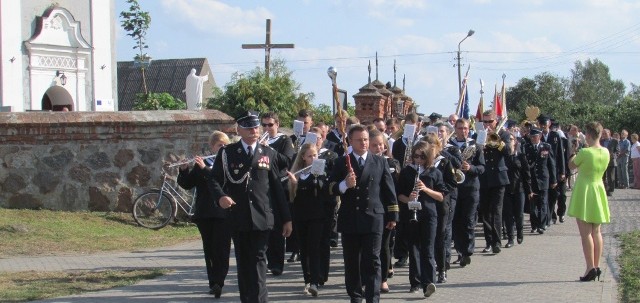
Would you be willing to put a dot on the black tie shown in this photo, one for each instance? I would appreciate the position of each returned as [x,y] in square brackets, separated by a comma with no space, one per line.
[361,163]
[249,151]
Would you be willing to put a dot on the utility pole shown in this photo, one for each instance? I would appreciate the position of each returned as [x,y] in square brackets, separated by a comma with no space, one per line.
[469,34]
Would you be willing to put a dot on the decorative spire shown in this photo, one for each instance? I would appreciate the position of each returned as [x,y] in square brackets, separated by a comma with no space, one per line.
[404,81]
[394,72]
[376,65]
[369,71]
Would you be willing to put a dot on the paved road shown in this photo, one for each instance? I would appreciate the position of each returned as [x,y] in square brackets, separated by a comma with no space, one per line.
[544,268]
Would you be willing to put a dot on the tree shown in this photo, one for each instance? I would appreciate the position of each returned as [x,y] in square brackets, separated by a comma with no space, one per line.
[158,101]
[545,91]
[277,93]
[591,82]
[136,23]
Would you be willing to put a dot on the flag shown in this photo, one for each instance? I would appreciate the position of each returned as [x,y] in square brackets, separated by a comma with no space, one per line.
[503,100]
[480,109]
[463,108]
[497,104]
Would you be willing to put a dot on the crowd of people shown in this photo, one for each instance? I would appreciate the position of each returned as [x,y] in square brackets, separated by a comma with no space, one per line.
[407,189]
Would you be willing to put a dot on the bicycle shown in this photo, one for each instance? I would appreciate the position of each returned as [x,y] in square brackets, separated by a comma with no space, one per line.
[155,208]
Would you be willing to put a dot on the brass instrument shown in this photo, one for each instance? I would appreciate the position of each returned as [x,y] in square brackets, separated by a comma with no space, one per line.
[494,141]
[263,137]
[398,134]
[415,205]
[467,154]
[187,161]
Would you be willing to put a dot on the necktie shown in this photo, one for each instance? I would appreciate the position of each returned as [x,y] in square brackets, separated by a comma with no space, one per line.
[249,152]
[361,162]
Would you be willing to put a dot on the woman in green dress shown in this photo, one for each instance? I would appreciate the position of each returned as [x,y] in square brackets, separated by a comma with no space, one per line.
[589,199]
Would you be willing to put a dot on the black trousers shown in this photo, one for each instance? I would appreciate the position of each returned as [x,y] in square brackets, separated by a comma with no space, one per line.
[561,190]
[422,238]
[325,249]
[385,254]
[513,213]
[309,239]
[440,249]
[464,220]
[539,207]
[609,179]
[361,254]
[453,197]
[401,242]
[250,248]
[216,244]
[275,251]
[491,200]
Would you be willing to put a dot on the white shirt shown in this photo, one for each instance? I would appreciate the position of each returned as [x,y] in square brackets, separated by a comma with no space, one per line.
[634,150]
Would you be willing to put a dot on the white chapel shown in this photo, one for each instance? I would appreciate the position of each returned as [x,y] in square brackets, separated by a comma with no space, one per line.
[58,55]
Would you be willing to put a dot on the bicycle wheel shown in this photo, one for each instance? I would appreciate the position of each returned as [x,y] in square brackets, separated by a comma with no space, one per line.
[152,210]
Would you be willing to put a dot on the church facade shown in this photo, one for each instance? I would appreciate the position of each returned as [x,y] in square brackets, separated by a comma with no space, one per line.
[58,55]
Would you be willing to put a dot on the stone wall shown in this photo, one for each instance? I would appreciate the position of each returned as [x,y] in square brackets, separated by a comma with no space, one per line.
[97,161]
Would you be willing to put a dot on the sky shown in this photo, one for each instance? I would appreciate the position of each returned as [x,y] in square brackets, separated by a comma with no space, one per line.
[515,38]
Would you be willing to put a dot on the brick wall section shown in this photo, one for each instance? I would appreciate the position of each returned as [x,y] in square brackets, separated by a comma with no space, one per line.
[97,161]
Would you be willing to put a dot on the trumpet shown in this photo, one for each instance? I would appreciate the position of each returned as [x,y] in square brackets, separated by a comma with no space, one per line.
[187,161]
[263,137]
[415,205]
[304,170]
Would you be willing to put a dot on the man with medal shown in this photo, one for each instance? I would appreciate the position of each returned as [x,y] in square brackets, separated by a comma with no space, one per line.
[245,181]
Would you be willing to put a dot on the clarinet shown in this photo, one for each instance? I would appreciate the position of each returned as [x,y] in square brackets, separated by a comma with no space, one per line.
[415,205]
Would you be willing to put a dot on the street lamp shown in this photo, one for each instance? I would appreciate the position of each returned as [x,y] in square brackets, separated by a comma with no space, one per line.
[469,34]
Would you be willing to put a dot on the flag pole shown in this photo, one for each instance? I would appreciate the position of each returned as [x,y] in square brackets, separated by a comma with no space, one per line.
[464,90]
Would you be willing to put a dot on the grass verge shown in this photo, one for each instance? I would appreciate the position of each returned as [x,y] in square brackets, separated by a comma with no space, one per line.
[29,286]
[629,261]
[45,232]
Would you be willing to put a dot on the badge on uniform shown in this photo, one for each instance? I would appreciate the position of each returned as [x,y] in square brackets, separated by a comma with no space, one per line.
[263,162]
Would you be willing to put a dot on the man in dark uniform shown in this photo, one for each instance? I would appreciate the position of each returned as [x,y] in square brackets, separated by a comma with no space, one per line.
[493,181]
[561,188]
[609,178]
[465,214]
[245,181]
[367,195]
[553,138]
[543,177]
[282,144]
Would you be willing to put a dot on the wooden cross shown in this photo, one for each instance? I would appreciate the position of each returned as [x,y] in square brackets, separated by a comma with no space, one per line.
[267,46]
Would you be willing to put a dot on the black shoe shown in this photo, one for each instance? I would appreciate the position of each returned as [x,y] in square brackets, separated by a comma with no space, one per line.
[216,291]
[487,249]
[590,276]
[457,261]
[333,243]
[466,260]
[429,290]
[509,244]
[447,266]
[390,274]
[496,249]
[520,239]
[598,272]
[442,277]
[533,230]
[402,262]
[414,289]
[541,231]
[276,271]
[294,257]
[561,219]
[554,220]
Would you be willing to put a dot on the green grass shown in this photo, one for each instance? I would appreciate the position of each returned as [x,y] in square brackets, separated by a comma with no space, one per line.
[44,232]
[29,286]
[629,261]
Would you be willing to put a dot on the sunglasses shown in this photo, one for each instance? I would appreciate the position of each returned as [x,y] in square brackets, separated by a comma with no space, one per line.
[423,157]
[488,121]
[268,124]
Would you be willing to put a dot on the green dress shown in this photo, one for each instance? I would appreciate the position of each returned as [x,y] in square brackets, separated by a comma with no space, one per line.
[588,197]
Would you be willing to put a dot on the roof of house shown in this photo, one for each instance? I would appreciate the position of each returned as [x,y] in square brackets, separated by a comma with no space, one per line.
[161,76]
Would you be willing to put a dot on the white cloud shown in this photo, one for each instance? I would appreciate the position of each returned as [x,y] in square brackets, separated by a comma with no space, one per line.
[218,17]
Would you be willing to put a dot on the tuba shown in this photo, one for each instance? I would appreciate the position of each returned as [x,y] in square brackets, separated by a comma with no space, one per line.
[467,154]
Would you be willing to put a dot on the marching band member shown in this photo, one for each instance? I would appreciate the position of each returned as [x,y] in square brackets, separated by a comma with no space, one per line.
[367,195]
[493,182]
[282,144]
[465,214]
[543,177]
[210,220]
[423,183]
[310,208]
[519,186]
[378,147]
[245,181]
[558,154]
[334,144]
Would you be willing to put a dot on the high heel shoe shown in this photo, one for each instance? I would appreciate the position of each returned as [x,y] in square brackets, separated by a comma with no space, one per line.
[598,272]
[590,276]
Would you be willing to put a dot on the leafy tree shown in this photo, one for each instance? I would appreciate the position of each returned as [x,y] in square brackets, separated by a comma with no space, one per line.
[324,113]
[136,23]
[591,82]
[545,91]
[278,93]
[158,101]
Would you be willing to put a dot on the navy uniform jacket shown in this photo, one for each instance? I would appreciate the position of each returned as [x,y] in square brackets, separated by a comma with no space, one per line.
[205,206]
[283,145]
[476,162]
[312,199]
[363,208]
[495,169]
[553,138]
[519,174]
[253,209]
[399,149]
[542,165]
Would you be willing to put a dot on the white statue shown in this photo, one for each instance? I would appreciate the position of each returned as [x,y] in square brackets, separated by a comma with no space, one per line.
[193,89]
